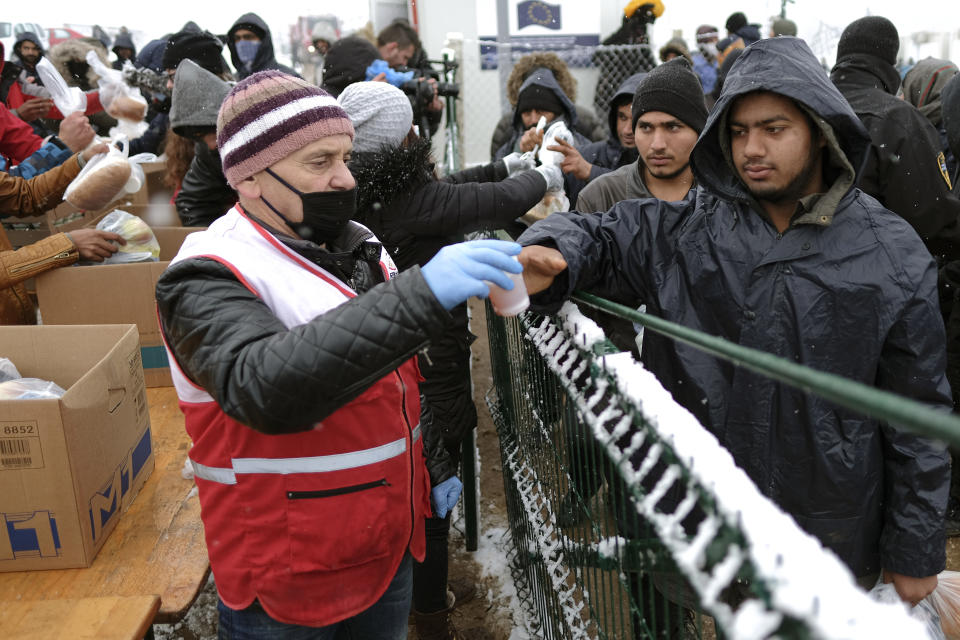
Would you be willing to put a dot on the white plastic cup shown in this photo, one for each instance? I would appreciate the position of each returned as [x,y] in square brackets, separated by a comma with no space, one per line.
[512,302]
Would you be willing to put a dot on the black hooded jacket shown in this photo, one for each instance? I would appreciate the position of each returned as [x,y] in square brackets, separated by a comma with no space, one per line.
[265,59]
[903,169]
[415,215]
[123,41]
[848,288]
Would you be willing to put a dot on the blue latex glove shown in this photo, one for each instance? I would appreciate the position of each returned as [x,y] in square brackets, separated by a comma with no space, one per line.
[458,271]
[396,78]
[445,495]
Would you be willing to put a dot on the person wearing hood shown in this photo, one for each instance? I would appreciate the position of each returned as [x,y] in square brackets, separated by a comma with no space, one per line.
[346,63]
[322,37]
[779,251]
[204,193]
[124,49]
[906,169]
[922,87]
[598,158]
[294,339]
[540,96]
[251,47]
[588,123]
[415,213]
[30,99]
[668,114]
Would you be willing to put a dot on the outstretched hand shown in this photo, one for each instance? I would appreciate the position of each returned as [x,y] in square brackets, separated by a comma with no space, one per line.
[540,266]
[573,162]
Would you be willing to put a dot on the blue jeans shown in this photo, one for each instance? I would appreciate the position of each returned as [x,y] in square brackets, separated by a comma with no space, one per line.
[386,619]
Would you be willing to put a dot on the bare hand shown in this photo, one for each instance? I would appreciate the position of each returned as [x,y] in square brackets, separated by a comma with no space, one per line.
[380,77]
[540,266]
[34,108]
[76,132]
[531,138]
[911,590]
[93,150]
[573,162]
[435,104]
[95,245]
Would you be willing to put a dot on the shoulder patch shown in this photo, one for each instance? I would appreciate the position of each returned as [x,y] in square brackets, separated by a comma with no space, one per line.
[942,163]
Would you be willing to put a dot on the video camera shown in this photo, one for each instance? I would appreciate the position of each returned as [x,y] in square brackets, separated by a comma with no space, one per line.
[420,91]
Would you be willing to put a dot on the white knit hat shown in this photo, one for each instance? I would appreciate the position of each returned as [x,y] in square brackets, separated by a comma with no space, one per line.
[381,115]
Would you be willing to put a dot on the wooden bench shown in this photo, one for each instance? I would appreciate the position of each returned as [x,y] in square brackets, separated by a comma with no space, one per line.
[157,549]
[108,618]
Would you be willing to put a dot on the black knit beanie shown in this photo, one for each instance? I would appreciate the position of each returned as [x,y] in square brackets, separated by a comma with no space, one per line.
[873,35]
[672,88]
[203,48]
[539,97]
[736,21]
[346,62]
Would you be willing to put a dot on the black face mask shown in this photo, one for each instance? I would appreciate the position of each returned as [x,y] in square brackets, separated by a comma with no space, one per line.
[325,213]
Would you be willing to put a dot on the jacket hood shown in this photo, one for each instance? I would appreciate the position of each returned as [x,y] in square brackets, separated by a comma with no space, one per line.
[628,88]
[265,56]
[923,84]
[70,59]
[862,70]
[124,41]
[197,96]
[786,66]
[379,172]
[548,60]
[23,37]
[950,97]
[750,34]
[544,77]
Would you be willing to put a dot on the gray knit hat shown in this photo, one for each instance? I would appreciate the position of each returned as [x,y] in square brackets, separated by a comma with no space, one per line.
[672,88]
[381,115]
[197,96]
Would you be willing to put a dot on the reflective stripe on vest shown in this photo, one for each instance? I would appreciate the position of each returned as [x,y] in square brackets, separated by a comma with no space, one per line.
[314,464]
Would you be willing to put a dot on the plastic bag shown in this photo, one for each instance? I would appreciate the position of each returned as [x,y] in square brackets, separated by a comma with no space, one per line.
[30,389]
[924,611]
[552,201]
[946,600]
[557,131]
[120,100]
[8,370]
[107,176]
[68,99]
[142,245]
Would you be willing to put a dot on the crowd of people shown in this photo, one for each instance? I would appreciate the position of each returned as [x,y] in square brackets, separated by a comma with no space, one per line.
[317,327]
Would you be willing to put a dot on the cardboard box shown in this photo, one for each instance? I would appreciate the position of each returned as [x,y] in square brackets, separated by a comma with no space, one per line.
[63,217]
[70,467]
[115,294]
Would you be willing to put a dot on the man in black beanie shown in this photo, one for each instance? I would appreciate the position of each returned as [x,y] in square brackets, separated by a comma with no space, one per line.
[906,169]
[202,47]
[346,62]
[668,115]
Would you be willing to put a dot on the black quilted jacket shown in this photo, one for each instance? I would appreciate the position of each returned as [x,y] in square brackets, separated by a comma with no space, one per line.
[278,380]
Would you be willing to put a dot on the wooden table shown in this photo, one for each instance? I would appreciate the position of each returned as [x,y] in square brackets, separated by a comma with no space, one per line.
[113,618]
[158,547]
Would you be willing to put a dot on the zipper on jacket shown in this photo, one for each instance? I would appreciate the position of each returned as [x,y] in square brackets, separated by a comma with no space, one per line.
[33,265]
[425,352]
[403,408]
[328,493]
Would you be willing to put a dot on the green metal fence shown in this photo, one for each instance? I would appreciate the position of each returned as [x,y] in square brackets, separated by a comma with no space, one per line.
[628,520]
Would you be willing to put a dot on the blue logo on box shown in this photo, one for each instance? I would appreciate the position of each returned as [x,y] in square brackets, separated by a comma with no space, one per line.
[29,534]
[106,503]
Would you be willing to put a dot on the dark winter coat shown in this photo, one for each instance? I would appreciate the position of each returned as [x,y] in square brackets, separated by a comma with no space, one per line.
[544,78]
[848,288]
[610,154]
[265,58]
[950,97]
[903,170]
[346,62]
[588,125]
[419,218]
[204,193]
[123,41]
[228,341]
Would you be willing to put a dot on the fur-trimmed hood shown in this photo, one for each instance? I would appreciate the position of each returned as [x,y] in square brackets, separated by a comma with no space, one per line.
[529,63]
[390,173]
[70,59]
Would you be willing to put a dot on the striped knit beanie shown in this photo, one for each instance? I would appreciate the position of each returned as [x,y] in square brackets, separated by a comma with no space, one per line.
[269,115]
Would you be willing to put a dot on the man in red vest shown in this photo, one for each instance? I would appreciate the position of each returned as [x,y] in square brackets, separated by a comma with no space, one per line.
[292,339]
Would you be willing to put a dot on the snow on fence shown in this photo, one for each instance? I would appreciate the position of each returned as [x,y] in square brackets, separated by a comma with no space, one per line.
[702,534]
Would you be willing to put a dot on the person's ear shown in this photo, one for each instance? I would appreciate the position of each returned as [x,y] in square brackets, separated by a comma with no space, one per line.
[249,187]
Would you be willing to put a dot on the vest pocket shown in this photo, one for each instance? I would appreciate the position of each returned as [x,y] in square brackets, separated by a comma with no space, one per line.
[335,522]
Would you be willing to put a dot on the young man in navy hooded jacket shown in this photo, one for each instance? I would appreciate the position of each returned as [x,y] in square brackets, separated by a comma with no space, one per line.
[779,251]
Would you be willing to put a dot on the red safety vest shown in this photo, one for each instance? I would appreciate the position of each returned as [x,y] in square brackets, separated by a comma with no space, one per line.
[312,524]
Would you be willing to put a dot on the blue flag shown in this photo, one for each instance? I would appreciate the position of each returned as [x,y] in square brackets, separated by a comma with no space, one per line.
[539,13]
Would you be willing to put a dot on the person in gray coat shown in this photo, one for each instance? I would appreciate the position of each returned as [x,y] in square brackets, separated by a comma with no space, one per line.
[778,251]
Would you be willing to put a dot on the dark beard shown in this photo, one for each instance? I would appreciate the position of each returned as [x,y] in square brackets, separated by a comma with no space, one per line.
[795,189]
[669,176]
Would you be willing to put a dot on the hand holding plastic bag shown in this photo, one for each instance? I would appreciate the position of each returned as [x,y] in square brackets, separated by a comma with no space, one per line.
[107,177]
[142,245]
[946,600]
[557,131]
[924,611]
[120,100]
[68,99]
